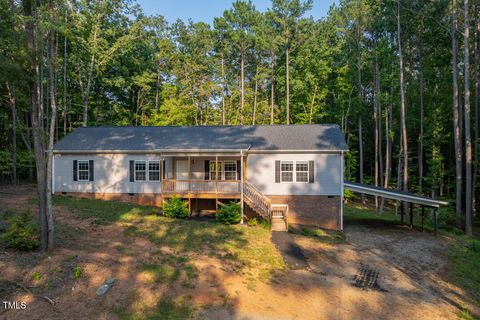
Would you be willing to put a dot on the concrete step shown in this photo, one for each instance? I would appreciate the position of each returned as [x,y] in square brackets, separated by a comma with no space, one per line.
[278,225]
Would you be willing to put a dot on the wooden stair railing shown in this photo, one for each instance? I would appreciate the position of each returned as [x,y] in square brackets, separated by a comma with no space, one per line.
[263,205]
[257,200]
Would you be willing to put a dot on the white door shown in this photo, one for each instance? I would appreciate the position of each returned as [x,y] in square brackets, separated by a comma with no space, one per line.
[181,173]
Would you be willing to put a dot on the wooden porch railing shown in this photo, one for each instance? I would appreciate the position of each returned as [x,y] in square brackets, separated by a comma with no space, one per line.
[201,186]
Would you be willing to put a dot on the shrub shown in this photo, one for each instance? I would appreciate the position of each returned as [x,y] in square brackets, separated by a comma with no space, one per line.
[21,232]
[252,222]
[176,208]
[229,213]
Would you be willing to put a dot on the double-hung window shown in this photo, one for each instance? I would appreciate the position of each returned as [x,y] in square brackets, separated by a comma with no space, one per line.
[83,170]
[154,170]
[140,171]
[301,171]
[286,171]
[213,170]
[230,170]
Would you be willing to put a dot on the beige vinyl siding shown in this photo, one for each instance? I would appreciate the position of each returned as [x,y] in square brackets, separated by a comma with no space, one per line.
[328,174]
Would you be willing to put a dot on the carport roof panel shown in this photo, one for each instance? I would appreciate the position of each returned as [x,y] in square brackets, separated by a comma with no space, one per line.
[394,194]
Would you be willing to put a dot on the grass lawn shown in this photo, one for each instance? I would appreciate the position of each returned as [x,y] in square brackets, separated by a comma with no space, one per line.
[464,251]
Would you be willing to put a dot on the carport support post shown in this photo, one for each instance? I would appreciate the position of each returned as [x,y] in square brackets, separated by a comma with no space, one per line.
[411,215]
[423,215]
[401,212]
[435,219]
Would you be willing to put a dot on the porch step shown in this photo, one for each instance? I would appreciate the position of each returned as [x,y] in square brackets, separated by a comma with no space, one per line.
[278,224]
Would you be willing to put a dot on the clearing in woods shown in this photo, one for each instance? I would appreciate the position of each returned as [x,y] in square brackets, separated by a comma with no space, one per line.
[172,269]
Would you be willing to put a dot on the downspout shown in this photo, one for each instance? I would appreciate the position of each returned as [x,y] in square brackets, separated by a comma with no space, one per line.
[241,186]
[342,191]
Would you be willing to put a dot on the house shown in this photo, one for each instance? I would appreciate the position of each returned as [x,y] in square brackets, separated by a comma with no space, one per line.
[292,172]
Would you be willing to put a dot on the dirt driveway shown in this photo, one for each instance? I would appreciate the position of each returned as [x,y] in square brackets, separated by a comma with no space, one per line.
[381,272]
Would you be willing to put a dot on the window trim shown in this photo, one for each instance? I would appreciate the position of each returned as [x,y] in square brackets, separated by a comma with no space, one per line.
[135,170]
[88,170]
[307,171]
[148,170]
[224,171]
[294,171]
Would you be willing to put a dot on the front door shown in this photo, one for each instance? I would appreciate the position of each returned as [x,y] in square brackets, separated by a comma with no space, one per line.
[181,173]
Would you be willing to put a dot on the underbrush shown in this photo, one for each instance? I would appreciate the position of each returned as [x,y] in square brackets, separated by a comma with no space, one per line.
[19,231]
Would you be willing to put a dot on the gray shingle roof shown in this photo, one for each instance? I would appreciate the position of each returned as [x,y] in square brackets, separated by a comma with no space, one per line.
[278,137]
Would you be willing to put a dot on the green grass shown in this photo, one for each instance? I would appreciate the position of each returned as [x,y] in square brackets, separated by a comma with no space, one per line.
[162,273]
[104,212]
[77,272]
[36,276]
[326,236]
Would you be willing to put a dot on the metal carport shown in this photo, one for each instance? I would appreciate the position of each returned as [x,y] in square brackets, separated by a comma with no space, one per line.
[401,196]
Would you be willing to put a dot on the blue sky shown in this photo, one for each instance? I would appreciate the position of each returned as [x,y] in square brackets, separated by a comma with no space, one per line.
[206,10]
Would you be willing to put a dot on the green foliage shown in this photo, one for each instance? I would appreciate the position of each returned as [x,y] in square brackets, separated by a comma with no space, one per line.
[162,272]
[252,222]
[77,272]
[21,232]
[229,213]
[36,276]
[175,207]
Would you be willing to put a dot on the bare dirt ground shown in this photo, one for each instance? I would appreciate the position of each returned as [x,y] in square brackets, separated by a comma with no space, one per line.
[400,274]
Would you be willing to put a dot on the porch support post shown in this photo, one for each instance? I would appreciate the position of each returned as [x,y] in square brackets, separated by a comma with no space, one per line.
[435,212]
[161,177]
[401,212]
[189,187]
[216,182]
[241,185]
[423,216]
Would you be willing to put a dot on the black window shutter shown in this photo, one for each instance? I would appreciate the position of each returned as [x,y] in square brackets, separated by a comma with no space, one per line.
[90,168]
[132,171]
[163,171]
[239,170]
[207,169]
[311,172]
[75,168]
[277,171]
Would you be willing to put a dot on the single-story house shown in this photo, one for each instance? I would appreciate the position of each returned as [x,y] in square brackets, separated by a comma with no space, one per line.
[289,172]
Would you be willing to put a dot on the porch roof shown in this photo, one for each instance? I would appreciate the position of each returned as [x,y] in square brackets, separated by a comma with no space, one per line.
[318,137]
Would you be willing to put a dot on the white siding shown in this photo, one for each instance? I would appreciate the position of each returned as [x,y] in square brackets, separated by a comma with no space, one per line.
[111,172]
[328,174]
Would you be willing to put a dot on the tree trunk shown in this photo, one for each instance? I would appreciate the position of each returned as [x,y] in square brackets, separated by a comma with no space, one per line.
[476,106]
[64,114]
[157,89]
[287,103]
[403,120]
[272,90]
[420,138]
[310,116]
[376,135]
[223,90]
[255,97]
[13,105]
[456,120]
[242,75]
[466,113]
[53,117]
[37,128]
[360,148]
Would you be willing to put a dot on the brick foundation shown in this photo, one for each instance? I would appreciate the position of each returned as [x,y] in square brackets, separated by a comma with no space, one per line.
[319,211]
[146,199]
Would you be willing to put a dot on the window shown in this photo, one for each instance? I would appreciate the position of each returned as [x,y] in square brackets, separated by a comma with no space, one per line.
[140,171]
[154,170]
[286,171]
[301,168]
[83,170]
[213,171]
[230,170]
